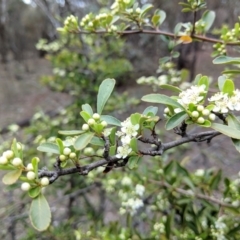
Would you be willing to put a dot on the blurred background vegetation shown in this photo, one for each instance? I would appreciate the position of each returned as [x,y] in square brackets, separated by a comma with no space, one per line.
[45,77]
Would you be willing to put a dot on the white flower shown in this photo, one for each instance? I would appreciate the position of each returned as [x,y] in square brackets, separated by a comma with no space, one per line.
[234,101]
[126,140]
[139,189]
[129,129]
[126,181]
[123,151]
[191,95]
[217,97]
[137,203]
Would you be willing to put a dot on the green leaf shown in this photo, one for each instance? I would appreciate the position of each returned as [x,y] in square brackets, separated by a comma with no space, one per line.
[112,136]
[133,145]
[34,192]
[71,132]
[208,17]
[97,141]
[145,9]
[40,213]
[35,161]
[85,116]
[14,148]
[60,145]
[170,87]
[135,118]
[133,162]
[206,123]
[228,87]
[226,130]
[231,71]
[98,128]
[214,184]
[87,108]
[204,81]
[177,28]
[163,99]
[175,120]
[83,140]
[155,20]
[111,120]
[11,177]
[221,81]
[104,93]
[150,109]
[226,60]
[49,148]
[112,150]
[6,167]
[234,122]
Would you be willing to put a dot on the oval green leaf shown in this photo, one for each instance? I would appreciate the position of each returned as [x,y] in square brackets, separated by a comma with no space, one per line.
[163,99]
[49,148]
[40,213]
[176,120]
[228,87]
[87,108]
[11,177]
[104,93]
[226,130]
[97,141]
[150,109]
[71,132]
[83,140]
[226,60]
[111,120]
[34,192]
[208,17]
[133,162]
[170,87]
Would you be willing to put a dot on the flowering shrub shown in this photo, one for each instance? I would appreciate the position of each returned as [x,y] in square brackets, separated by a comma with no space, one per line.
[161,199]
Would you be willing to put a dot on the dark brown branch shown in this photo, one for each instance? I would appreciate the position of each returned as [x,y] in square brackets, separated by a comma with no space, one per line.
[117,162]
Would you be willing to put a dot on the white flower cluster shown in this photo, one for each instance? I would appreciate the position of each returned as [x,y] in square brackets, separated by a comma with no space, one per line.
[194,95]
[218,229]
[223,103]
[128,131]
[132,201]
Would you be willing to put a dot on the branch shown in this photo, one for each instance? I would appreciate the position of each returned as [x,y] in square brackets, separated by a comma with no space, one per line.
[159,32]
[113,161]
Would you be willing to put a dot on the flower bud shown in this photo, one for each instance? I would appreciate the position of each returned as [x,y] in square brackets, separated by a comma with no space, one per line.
[88,151]
[17,162]
[201,120]
[31,175]
[44,181]
[72,155]
[3,160]
[19,146]
[96,116]
[25,186]
[205,112]
[166,110]
[66,151]
[85,127]
[212,116]
[91,122]
[200,108]
[104,123]
[8,154]
[195,114]
[29,167]
[62,158]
